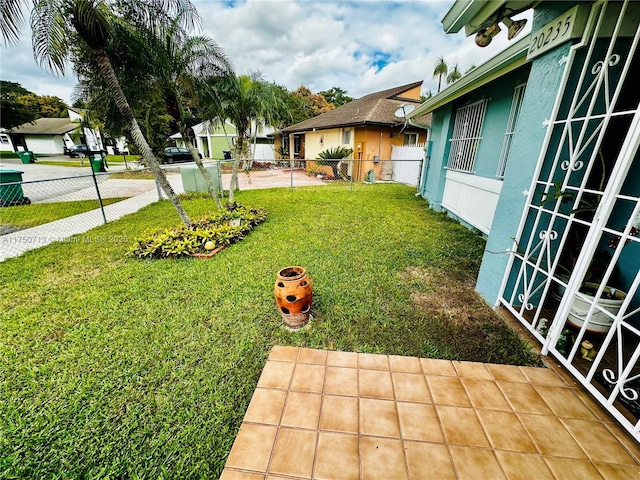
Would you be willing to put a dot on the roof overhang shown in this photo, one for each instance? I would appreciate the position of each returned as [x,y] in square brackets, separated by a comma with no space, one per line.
[506,61]
[476,15]
[366,123]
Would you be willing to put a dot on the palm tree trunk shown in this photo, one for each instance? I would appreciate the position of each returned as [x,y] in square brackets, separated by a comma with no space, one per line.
[110,78]
[238,153]
[234,176]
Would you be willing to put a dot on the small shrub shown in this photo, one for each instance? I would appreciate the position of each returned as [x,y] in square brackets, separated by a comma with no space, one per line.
[223,228]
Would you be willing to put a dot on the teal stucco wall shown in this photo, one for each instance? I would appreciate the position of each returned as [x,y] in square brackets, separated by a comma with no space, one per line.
[434,174]
[500,95]
[542,89]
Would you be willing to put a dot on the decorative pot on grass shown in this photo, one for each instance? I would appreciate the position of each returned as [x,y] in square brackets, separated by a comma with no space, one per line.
[294,293]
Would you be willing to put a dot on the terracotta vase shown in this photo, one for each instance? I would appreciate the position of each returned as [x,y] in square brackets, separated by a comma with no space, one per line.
[294,293]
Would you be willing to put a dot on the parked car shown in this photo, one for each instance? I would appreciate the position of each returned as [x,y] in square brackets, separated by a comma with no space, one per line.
[76,151]
[177,154]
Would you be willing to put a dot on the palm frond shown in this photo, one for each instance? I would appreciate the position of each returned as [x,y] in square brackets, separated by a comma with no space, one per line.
[11,19]
[50,35]
[160,15]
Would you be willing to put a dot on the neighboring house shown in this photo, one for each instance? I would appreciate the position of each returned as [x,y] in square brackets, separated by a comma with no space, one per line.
[44,135]
[215,138]
[367,125]
[6,145]
[538,150]
[51,135]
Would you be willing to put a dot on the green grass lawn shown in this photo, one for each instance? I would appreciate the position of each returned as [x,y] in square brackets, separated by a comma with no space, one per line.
[112,367]
[85,162]
[27,216]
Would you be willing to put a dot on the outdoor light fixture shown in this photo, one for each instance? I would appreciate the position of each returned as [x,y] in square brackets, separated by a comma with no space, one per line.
[484,37]
[514,27]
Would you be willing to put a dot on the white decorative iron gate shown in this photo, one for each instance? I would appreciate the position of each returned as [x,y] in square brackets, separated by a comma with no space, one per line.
[573,276]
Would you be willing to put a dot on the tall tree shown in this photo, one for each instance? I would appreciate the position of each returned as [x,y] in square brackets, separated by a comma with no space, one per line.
[314,103]
[454,75]
[336,96]
[57,24]
[249,100]
[14,112]
[441,69]
[181,66]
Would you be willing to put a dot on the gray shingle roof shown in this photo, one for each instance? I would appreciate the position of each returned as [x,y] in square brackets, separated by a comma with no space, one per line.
[46,126]
[376,108]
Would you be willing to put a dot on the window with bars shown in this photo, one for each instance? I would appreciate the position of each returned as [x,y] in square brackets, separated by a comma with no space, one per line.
[466,136]
[4,138]
[514,114]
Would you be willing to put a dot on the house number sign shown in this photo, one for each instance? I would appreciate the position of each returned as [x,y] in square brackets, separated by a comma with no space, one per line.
[567,26]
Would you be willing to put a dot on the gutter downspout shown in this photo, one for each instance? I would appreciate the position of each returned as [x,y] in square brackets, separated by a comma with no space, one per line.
[426,160]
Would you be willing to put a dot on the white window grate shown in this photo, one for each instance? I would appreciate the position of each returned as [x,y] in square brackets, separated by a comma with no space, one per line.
[466,136]
[516,105]
[4,138]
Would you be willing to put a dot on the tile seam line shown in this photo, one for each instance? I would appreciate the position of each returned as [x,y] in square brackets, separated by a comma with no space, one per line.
[284,406]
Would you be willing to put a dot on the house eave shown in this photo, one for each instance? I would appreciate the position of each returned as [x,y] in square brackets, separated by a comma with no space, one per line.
[475,15]
[506,61]
[413,123]
[344,125]
[460,13]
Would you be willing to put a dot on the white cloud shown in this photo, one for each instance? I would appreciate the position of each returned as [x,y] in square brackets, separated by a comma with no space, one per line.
[319,44]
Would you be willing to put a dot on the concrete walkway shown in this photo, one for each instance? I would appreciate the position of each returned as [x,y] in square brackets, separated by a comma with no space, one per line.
[15,244]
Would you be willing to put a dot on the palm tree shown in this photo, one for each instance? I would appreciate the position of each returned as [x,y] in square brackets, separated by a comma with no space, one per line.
[57,24]
[454,75]
[440,70]
[181,66]
[249,100]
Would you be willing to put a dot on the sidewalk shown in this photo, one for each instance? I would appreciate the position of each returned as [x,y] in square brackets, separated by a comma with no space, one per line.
[15,244]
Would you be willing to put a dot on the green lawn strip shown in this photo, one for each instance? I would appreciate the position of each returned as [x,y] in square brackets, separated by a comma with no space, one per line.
[133,175]
[66,163]
[116,367]
[85,162]
[27,216]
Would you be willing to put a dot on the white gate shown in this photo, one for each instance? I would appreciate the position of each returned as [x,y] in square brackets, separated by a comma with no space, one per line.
[407,163]
[574,274]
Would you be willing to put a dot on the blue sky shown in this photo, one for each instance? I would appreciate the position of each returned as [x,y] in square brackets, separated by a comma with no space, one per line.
[361,46]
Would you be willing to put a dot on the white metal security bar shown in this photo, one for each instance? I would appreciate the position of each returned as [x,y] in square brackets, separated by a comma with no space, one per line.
[514,114]
[466,136]
[581,203]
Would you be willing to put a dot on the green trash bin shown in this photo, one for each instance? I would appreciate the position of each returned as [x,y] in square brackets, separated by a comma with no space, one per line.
[97,163]
[11,189]
[27,156]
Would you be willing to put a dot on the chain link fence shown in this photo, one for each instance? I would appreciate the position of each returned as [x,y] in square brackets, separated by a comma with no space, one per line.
[322,172]
[38,212]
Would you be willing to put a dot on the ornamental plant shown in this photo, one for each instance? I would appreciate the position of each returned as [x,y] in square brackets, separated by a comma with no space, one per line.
[222,228]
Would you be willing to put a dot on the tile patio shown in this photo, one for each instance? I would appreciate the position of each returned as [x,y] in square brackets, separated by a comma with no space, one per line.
[319,414]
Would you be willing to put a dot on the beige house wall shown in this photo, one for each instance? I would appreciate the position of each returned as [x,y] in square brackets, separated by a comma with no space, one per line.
[320,140]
